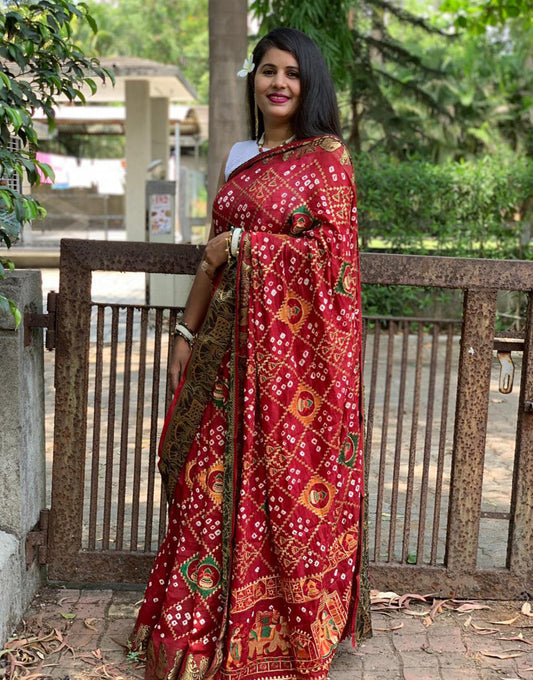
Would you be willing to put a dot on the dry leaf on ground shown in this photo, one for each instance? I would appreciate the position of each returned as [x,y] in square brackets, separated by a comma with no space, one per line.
[526,609]
[518,638]
[470,606]
[509,622]
[397,626]
[89,623]
[502,655]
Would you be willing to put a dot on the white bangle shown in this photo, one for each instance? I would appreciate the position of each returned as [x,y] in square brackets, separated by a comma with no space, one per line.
[185,333]
[235,241]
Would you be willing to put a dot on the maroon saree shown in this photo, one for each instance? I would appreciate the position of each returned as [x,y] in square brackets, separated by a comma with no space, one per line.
[259,574]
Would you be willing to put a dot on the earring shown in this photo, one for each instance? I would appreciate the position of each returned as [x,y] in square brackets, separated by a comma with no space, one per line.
[256,118]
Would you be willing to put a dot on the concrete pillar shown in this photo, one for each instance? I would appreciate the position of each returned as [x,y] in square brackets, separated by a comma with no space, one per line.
[160,134]
[138,155]
[22,451]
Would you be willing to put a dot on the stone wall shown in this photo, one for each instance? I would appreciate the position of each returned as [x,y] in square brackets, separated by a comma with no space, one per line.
[22,456]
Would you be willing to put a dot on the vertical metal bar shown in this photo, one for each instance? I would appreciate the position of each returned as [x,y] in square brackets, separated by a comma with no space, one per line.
[124,431]
[479,311]
[110,442]
[141,380]
[442,444]
[170,347]
[521,530]
[97,420]
[153,430]
[412,445]
[163,501]
[371,406]
[70,429]
[398,447]
[364,327]
[427,446]
[372,395]
[383,447]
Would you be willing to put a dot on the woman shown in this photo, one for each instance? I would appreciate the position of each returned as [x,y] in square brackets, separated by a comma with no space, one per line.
[261,452]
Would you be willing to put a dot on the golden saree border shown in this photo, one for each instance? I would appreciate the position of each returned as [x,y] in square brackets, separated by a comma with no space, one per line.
[186,412]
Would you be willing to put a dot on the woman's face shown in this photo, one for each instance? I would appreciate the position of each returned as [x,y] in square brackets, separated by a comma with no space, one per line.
[277,87]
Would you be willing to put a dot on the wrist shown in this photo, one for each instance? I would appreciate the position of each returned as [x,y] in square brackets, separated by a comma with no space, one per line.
[183,331]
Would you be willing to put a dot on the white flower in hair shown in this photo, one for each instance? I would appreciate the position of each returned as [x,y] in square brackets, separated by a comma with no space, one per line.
[247,67]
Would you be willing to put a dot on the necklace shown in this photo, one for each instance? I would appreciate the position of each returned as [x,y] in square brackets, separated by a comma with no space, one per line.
[261,142]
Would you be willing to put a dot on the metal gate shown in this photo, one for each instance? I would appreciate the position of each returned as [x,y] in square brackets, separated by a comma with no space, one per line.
[427,394]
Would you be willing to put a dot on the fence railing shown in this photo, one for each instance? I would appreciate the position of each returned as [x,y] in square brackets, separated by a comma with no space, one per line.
[429,385]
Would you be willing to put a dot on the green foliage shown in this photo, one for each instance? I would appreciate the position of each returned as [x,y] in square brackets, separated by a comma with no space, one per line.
[469,209]
[163,30]
[409,86]
[374,69]
[326,21]
[397,301]
[476,16]
[39,63]
[479,208]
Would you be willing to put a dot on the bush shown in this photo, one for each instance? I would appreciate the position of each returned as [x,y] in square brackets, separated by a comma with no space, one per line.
[471,209]
[479,208]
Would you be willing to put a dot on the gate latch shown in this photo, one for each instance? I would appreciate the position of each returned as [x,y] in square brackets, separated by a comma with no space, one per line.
[47,321]
[506,372]
[37,540]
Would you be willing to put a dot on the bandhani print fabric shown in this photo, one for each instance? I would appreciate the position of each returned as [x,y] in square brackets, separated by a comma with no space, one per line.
[259,576]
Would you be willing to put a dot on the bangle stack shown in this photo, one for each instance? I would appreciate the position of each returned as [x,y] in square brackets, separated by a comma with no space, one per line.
[183,331]
[234,242]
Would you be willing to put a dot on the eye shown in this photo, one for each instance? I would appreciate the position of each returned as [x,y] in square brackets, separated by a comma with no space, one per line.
[293,74]
[268,71]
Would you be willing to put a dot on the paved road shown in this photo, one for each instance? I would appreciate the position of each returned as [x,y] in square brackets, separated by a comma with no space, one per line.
[92,626]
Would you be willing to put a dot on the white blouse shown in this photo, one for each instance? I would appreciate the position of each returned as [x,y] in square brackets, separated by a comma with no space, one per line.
[239,154]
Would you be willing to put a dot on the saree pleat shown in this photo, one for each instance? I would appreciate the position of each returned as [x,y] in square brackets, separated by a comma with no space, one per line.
[260,573]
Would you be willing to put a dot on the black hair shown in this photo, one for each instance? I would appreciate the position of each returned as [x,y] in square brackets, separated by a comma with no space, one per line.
[318,112]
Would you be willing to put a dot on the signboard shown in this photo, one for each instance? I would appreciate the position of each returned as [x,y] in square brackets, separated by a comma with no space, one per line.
[160,213]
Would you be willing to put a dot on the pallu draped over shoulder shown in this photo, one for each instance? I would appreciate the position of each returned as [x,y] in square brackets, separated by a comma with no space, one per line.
[259,576]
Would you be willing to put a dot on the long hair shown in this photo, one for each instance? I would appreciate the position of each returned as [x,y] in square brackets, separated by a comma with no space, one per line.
[318,111]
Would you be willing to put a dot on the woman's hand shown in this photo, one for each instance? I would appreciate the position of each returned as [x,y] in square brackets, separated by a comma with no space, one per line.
[181,351]
[215,254]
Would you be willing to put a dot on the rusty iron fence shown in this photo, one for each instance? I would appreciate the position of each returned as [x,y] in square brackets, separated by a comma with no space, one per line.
[428,387]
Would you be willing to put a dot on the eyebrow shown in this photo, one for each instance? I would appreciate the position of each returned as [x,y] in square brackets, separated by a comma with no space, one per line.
[296,68]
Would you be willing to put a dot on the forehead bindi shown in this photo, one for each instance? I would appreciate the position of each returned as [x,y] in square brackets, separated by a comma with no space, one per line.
[280,59]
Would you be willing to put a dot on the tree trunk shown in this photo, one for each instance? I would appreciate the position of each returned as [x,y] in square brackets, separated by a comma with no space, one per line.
[354,138]
[228,46]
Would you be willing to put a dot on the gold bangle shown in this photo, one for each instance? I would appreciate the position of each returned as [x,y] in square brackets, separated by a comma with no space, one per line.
[228,251]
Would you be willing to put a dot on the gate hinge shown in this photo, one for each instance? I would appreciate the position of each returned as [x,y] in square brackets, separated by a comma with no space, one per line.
[47,321]
[37,540]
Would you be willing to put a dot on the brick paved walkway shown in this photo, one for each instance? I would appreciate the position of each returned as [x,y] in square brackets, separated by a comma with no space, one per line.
[93,626]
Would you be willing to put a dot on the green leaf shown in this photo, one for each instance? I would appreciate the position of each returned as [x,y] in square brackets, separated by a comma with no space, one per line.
[5,198]
[46,169]
[6,80]
[4,303]
[9,306]
[92,23]
[15,312]
[9,264]
[90,82]
[68,615]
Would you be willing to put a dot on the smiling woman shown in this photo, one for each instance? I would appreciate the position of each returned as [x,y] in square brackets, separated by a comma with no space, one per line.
[277,95]
[260,574]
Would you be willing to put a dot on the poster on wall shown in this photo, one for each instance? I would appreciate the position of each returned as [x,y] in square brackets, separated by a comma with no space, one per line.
[160,213]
